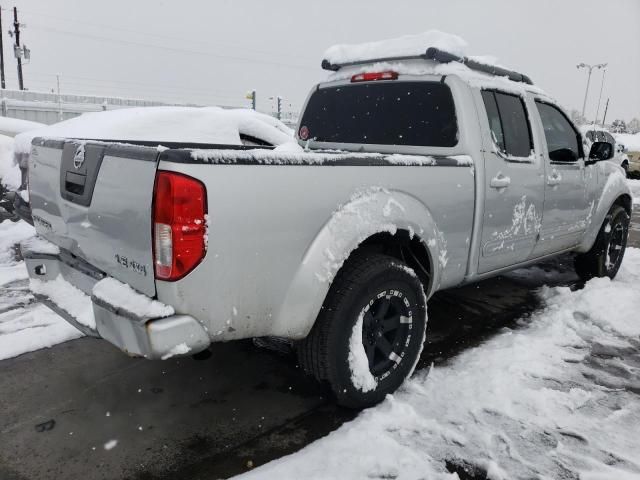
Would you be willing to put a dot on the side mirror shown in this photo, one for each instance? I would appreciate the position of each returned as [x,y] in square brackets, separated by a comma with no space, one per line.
[565,155]
[600,151]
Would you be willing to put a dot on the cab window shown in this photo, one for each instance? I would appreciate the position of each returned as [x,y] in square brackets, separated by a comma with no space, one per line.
[563,140]
[508,122]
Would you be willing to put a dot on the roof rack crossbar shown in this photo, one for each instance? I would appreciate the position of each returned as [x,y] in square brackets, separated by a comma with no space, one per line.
[440,56]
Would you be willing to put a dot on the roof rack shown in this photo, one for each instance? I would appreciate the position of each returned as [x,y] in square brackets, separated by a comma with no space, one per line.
[439,56]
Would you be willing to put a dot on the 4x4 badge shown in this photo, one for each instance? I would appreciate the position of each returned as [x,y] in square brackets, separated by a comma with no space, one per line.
[78,158]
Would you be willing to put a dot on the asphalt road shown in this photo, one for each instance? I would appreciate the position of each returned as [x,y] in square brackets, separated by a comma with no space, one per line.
[214,417]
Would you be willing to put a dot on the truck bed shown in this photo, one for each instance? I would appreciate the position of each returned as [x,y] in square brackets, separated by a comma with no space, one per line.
[280,223]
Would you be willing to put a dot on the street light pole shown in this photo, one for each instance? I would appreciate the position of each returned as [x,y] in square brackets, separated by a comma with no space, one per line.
[604,72]
[586,93]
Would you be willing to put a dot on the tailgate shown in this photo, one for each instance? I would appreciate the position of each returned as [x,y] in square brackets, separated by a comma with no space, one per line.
[94,200]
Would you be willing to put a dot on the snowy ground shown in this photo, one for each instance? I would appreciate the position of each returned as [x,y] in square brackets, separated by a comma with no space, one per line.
[556,397]
[24,325]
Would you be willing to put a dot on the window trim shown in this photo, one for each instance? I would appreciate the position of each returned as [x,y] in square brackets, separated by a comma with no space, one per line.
[581,154]
[504,155]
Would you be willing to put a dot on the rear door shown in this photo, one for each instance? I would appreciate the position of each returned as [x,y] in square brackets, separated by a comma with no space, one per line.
[513,193]
[566,209]
[93,199]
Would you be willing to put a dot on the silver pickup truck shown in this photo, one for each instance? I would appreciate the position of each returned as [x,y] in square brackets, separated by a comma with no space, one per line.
[401,184]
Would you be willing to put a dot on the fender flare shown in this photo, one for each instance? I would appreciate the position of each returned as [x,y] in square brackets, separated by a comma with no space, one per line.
[614,187]
[368,212]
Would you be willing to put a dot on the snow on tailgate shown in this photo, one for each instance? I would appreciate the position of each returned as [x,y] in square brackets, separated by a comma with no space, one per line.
[556,397]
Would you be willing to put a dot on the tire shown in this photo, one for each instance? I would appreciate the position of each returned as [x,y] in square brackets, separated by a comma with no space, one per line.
[372,292]
[605,257]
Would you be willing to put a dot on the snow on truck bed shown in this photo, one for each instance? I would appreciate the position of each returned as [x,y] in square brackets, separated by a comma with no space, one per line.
[293,154]
[166,124]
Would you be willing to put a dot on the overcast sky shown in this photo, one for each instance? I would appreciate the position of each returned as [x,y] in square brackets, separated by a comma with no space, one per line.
[213,52]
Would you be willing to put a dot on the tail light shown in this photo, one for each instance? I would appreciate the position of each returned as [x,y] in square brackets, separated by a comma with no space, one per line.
[179,229]
[372,76]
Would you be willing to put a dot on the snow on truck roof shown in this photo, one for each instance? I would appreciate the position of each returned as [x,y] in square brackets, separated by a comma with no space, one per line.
[407,55]
[166,124]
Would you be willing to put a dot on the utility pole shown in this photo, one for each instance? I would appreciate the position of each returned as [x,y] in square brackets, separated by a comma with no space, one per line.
[586,93]
[1,54]
[604,72]
[279,100]
[17,50]
[605,112]
[59,99]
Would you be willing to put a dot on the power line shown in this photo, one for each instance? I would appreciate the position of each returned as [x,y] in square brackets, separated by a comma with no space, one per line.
[174,49]
[167,37]
[132,82]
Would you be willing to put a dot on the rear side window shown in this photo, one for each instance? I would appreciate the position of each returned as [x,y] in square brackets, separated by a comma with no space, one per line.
[383,113]
[558,131]
[509,123]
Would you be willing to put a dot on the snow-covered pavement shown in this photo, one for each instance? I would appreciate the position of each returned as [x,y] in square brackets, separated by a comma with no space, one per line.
[556,397]
[25,326]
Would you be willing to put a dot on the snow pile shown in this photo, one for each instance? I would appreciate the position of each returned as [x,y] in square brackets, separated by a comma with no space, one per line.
[39,244]
[180,349]
[123,296]
[9,172]
[556,397]
[29,328]
[12,126]
[634,185]
[358,362]
[407,45]
[166,124]
[24,326]
[66,296]
[10,235]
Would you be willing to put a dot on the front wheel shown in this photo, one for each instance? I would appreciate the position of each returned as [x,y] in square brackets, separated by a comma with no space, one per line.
[369,333]
[605,257]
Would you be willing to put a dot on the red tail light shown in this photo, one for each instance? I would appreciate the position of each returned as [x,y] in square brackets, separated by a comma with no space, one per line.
[372,76]
[179,209]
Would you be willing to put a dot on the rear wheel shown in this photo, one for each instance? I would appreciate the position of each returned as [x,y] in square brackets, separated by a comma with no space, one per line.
[369,333]
[605,257]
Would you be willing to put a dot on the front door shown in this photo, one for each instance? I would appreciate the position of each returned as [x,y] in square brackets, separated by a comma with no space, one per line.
[566,210]
[513,183]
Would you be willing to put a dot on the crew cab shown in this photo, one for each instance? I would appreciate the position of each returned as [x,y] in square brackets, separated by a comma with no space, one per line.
[411,174]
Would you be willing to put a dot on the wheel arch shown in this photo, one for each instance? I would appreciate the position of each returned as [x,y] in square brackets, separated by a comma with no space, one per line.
[615,192]
[380,220]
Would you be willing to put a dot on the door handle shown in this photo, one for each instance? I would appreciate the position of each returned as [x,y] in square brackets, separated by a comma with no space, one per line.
[500,181]
[554,179]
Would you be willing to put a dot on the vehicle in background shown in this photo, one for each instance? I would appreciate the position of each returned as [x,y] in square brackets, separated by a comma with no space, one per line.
[593,133]
[631,143]
[414,173]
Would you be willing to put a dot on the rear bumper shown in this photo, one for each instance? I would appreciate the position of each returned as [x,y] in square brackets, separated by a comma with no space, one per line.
[66,285]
